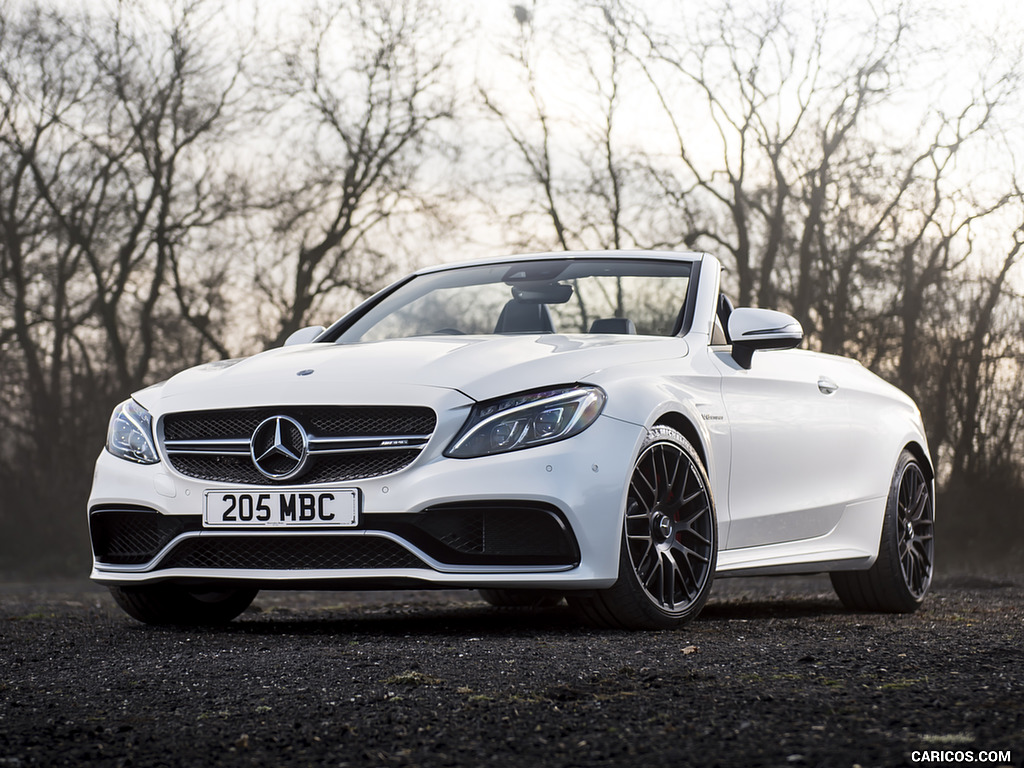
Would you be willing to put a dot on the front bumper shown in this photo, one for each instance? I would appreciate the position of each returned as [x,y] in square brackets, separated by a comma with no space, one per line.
[545,517]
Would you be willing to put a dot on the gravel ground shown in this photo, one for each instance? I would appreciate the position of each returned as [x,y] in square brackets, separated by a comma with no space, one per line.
[774,673]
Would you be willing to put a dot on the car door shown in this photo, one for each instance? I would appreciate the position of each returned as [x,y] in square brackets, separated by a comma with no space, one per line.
[789,468]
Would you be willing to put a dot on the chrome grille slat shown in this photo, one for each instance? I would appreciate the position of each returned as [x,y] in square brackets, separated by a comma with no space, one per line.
[231,447]
[316,441]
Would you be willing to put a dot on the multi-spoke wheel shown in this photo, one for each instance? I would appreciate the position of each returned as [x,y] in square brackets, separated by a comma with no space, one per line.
[902,574]
[183,606]
[669,541]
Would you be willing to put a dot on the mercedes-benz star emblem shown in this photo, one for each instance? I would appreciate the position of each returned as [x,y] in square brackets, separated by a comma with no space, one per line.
[279,447]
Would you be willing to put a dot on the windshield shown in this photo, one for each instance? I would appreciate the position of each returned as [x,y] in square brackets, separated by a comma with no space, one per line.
[550,296]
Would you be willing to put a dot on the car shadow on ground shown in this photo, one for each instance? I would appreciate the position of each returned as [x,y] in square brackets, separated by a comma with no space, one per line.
[780,608]
[477,620]
[400,621]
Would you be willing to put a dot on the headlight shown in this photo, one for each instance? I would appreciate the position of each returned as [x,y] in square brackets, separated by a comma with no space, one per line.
[527,419]
[130,435]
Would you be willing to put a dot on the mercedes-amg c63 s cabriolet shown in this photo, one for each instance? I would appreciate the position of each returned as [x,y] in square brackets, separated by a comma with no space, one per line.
[602,427]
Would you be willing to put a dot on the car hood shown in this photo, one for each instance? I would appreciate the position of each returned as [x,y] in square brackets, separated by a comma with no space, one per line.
[401,370]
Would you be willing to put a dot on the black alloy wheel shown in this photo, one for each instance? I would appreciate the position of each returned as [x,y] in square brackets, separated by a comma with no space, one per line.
[670,541]
[668,527]
[914,530]
[902,573]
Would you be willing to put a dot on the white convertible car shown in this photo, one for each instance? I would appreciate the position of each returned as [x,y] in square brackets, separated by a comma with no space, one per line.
[601,427]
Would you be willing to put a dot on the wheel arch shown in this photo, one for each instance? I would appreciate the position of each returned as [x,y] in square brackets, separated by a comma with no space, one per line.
[919,453]
[684,426]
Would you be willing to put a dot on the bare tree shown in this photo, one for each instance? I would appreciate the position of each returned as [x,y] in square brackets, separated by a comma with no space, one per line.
[571,169]
[108,172]
[37,261]
[151,182]
[764,116]
[119,158]
[366,91]
[785,162]
[986,426]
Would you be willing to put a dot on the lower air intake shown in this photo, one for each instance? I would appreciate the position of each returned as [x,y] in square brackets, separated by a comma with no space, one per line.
[290,553]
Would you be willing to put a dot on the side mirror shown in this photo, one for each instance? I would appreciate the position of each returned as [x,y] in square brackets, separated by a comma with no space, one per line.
[304,335]
[753,329]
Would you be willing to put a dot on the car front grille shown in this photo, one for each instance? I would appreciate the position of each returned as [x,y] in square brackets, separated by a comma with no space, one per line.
[345,442]
[307,552]
[339,421]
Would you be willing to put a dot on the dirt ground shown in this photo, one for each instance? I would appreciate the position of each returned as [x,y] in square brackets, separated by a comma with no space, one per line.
[774,673]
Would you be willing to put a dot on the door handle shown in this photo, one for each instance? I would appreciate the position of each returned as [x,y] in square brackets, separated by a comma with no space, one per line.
[826,386]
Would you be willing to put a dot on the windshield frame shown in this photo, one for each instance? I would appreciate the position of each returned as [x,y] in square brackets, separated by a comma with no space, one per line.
[336,332]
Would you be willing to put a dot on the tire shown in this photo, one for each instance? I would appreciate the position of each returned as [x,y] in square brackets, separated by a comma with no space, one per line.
[521,598]
[669,542]
[902,573]
[171,604]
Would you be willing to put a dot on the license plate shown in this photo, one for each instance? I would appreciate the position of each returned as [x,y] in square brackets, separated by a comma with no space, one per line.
[284,507]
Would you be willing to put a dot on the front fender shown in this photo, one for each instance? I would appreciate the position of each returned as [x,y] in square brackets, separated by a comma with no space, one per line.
[691,402]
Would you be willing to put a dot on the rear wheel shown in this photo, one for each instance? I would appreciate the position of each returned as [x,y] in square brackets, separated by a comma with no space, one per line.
[521,598]
[669,542]
[902,573]
[183,606]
